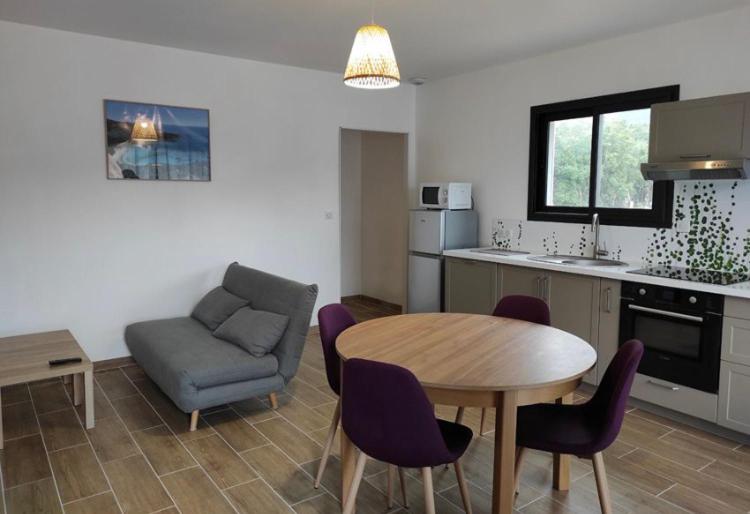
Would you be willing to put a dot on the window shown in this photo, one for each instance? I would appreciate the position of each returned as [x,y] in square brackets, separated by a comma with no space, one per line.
[585,158]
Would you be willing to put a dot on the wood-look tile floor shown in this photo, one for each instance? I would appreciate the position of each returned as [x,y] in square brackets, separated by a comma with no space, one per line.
[247,458]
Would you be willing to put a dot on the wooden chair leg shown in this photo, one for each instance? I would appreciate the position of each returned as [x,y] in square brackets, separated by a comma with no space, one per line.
[462,486]
[359,470]
[402,479]
[602,486]
[429,495]
[274,401]
[481,421]
[194,420]
[520,450]
[329,444]
[460,415]
[389,484]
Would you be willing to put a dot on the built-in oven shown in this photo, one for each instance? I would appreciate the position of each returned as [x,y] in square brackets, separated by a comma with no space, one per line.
[681,332]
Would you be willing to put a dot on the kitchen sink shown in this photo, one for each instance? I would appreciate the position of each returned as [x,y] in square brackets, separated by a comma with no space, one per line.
[576,260]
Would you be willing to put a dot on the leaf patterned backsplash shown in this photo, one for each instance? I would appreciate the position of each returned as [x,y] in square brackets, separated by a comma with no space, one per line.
[718,238]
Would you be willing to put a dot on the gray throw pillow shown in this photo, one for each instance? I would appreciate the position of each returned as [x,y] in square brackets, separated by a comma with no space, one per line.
[216,307]
[258,332]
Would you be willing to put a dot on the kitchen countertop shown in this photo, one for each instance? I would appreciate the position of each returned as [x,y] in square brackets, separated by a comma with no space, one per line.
[741,290]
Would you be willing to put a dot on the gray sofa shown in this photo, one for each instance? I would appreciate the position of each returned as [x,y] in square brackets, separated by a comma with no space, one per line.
[197,370]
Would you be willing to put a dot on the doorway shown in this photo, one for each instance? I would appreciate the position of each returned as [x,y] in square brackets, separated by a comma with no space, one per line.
[374,220]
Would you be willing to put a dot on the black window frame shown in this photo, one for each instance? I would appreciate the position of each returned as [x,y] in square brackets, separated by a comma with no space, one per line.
[660,214]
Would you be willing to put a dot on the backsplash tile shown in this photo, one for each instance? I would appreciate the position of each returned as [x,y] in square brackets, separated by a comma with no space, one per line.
[719,235]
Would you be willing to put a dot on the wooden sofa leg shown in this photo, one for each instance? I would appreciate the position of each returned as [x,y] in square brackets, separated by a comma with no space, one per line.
[274,401]
[194,420]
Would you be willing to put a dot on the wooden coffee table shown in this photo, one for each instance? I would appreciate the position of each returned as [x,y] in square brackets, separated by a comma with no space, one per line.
[25,358]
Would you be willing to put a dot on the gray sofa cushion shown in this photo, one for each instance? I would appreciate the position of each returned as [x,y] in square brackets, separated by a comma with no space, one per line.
[258,332]
[216,306]
[181,355]
[270,293]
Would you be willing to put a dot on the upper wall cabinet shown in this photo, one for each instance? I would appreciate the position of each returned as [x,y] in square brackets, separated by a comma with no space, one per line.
[707,128]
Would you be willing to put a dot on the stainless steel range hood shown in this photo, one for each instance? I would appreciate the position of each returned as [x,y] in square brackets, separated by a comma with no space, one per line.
[697,170]
[700,139]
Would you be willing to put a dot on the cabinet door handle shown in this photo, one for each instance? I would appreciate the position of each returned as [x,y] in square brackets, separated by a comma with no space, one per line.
[663,386]
[696,156]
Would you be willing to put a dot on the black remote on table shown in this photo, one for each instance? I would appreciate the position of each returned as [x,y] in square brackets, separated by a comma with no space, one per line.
[69,360]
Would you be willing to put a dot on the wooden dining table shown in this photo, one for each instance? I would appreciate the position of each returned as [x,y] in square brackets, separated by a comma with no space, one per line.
[472,360]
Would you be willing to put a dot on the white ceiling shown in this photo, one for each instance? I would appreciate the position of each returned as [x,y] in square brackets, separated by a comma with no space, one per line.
[432,38]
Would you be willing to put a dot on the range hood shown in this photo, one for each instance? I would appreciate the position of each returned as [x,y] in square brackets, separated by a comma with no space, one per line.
[700,139]
[697,170]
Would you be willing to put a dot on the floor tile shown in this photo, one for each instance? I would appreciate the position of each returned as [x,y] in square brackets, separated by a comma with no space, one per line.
[195,494]
[177,420]
[111,440]
[136,413]
[693,501]
[309,395]
[24,460]
[321,504]
[115,384]
[728,473]
[136,486]
[255,497]
[61,429]
[102,407]
[235,430]
[163,450]
[19,420]
[35,497]
[77,473]
[100,504]
[302,416]
[222,464]
[290,439]
[254,410]
[282,474]
[50,397]
[15,394]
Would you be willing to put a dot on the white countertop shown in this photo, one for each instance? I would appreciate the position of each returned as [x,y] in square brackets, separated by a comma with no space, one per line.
[741,290]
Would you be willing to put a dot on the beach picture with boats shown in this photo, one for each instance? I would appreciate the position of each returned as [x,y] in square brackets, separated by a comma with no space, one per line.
[157,142]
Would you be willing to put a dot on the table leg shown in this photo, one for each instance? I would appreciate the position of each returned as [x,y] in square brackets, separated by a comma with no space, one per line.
[77,388]
[503,488]
[88,385]
[348,452]
[561,462]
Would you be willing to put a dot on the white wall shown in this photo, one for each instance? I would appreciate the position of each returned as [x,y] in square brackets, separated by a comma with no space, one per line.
[93,255]
[351,212]
[475,127]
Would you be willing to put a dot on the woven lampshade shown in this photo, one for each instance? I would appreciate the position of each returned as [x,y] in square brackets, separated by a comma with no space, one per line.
[144,130]
[372,64]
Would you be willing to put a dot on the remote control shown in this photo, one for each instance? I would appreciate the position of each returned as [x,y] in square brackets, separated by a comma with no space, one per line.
[69,360]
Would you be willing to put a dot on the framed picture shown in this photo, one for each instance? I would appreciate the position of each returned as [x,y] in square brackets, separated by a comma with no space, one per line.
[156,142]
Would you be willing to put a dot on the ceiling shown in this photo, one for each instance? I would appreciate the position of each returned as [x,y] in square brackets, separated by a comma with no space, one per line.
[431,38]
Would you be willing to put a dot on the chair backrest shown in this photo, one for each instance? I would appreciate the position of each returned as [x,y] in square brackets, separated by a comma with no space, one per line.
[272,293]
[610,400]
[386,414]
[332,320]
[525,308]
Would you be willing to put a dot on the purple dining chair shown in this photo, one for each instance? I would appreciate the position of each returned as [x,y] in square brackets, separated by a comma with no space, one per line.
[332,320]
[524,308]
[583,430]
[387,415]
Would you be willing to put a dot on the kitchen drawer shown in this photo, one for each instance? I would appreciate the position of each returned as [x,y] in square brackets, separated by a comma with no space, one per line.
[735,341]
[734,397]
[677,397]
[737,308]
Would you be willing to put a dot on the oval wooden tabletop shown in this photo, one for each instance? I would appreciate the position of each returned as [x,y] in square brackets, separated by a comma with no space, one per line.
[470,351]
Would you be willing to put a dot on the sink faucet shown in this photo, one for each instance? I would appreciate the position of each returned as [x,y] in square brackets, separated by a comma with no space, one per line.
[598,251]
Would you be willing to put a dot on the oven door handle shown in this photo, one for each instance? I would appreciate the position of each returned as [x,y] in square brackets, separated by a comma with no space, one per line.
[668,314]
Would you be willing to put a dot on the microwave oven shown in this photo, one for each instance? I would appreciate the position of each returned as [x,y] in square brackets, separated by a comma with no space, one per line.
[445,195]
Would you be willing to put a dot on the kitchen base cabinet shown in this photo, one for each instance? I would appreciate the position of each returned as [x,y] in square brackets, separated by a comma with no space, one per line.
[470,286]
[609,323]
[734,397]
[524,281]
[693,402]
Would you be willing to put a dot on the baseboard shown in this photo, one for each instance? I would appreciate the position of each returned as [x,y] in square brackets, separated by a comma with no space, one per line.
[374,301]
[119,362]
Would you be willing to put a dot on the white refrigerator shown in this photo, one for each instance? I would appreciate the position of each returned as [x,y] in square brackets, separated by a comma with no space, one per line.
[430,233]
